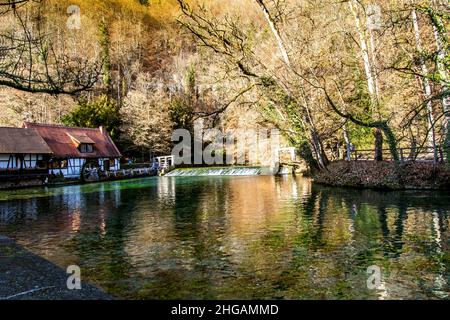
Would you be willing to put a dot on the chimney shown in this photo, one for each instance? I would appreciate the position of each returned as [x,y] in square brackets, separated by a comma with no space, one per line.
[101,129]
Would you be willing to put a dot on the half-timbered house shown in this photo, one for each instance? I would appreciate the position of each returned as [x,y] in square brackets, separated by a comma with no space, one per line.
[22,151]
[73,148]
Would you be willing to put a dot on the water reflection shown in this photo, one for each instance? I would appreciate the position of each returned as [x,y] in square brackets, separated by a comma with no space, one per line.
[239,237]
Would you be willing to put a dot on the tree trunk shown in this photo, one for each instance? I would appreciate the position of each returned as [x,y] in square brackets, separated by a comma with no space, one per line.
[378,144]
[438,28]
[392,141]
[318,150]
[431,135]
[275,32]
[366,58]
[375,77]
[104,41]
[413,146]
[348,144]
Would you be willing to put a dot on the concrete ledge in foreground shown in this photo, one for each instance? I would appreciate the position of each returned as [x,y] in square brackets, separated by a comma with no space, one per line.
[26,276]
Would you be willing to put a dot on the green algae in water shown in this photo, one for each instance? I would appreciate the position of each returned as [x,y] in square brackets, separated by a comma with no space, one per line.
[237,237]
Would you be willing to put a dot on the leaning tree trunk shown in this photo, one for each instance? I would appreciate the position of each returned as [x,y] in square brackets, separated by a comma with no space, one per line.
[390,136]
[382,125]
[318,151]
[276,33]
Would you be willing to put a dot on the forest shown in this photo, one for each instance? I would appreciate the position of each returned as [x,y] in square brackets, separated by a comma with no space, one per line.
[333,76]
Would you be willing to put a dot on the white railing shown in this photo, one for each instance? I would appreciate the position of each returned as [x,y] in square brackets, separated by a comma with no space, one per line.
[129,172]
[164,162]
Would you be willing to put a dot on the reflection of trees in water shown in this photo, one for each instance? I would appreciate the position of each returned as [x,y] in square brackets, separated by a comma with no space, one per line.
[13,211]
[444,225]
[18,210]
[260,237]
[90,228]
[44,215]
[214,234]
[319,219]
[191,251]
[339,233]
[399,227]
[380,202]
[207,237]
[394,230]
[99,244]
[325,254]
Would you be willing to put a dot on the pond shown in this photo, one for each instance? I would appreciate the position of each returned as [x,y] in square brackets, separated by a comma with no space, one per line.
[238,238]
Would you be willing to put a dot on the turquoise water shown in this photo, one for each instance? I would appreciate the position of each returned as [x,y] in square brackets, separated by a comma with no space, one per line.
[238,237]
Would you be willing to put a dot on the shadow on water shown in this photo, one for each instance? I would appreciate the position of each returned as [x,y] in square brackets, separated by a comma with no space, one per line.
[238,237]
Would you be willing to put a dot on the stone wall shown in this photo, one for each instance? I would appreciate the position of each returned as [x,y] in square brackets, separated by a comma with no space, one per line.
[385,175]
[20,183]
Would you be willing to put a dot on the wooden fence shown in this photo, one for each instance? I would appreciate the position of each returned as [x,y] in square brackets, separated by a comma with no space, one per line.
[424,154]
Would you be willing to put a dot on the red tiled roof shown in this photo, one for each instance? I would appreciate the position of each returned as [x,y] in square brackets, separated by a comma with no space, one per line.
[62,145]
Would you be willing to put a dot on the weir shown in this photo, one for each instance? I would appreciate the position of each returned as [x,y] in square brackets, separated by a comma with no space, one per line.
[221,171]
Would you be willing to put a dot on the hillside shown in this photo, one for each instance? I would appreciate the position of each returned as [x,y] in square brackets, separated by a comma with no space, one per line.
[330,76]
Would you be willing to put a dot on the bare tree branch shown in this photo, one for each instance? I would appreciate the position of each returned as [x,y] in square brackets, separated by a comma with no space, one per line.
[30,62]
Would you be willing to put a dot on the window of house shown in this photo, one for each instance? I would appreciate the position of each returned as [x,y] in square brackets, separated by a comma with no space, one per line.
[86,148]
